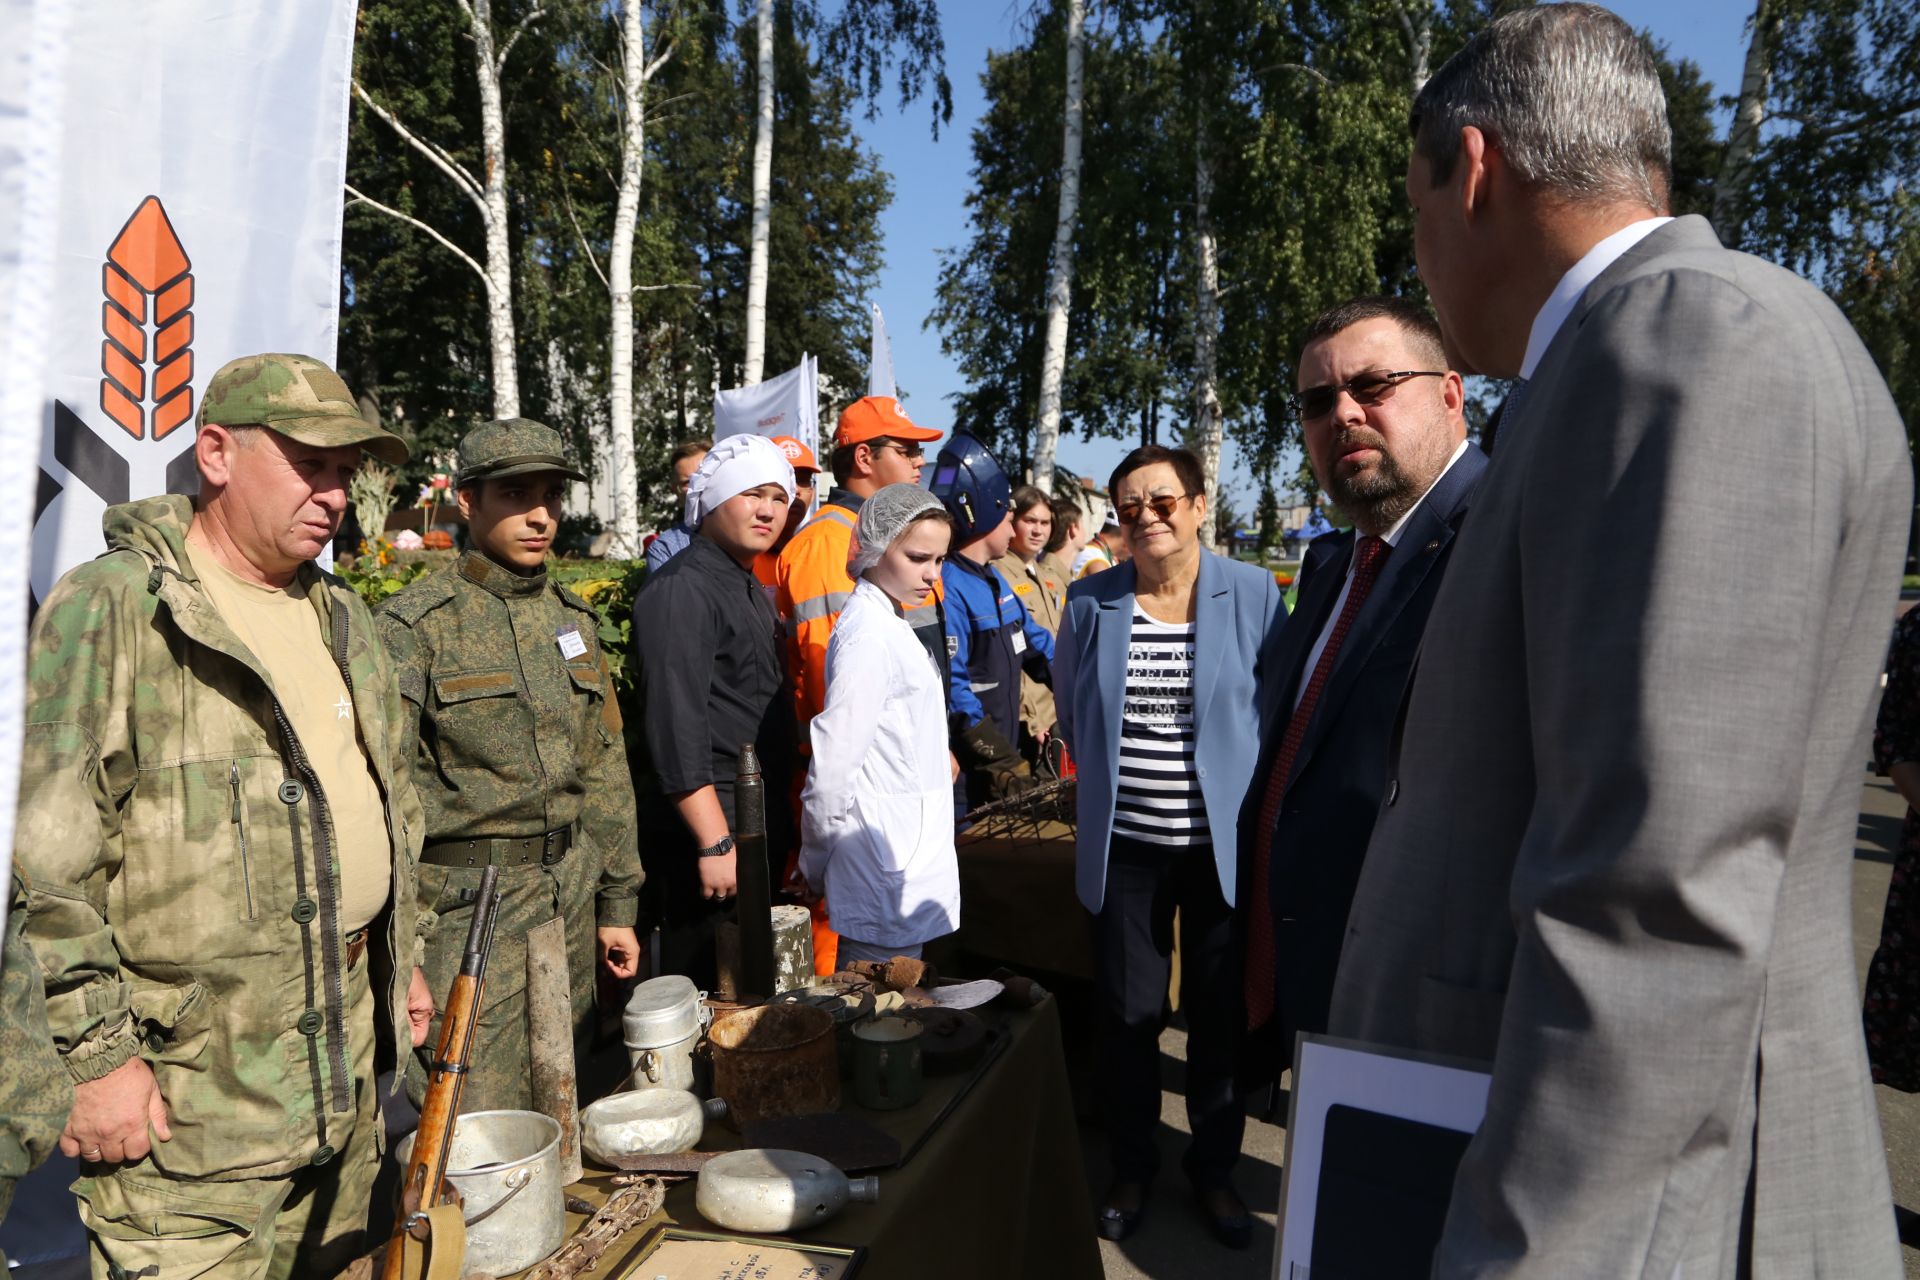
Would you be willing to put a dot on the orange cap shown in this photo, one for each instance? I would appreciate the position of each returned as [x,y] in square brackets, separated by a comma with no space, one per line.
[874,417]
[798,454]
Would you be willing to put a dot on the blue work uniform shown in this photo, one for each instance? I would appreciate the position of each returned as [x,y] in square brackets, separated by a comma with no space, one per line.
[990,638]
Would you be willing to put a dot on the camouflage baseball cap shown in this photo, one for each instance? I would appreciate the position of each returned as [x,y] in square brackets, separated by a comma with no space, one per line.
[298,397]
[512,447]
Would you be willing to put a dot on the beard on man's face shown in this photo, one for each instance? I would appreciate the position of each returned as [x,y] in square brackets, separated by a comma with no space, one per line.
[1375,495]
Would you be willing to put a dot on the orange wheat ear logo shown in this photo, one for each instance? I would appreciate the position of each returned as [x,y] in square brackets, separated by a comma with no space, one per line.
[148,353]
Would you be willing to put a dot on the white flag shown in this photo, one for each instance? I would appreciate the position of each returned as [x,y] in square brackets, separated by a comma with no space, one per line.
[202,149]
[880,362]
[30,97]
[788,405]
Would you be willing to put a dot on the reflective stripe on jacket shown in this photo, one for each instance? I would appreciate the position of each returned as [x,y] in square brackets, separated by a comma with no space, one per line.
[811,586]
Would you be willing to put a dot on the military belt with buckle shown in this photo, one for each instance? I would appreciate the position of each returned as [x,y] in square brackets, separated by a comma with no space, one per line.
[500,851]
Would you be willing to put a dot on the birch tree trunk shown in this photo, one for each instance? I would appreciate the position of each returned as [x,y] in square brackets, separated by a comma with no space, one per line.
[1053,358]
[762,207]
[635,71]
[1743,138]
[487,191]
[1207,427]
[493,144]
[1416,19]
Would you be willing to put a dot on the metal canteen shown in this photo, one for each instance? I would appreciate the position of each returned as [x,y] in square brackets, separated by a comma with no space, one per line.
[764,1189]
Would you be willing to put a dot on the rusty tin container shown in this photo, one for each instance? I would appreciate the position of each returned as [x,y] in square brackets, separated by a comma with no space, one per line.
[775,1060]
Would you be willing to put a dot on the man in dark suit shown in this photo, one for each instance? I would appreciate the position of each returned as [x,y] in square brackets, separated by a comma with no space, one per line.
[1616,865]
[1381,413]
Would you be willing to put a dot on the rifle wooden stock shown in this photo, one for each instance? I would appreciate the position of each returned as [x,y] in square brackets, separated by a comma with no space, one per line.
[424,1184]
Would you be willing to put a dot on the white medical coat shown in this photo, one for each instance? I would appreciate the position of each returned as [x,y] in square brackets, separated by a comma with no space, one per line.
[877,812]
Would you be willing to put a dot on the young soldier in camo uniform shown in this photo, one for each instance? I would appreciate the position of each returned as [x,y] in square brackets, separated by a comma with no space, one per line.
[520,761]
[217,832]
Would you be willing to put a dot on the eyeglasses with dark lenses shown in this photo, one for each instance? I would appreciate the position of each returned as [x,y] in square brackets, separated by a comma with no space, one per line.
[909,450]
[1161,504]
[1370,387]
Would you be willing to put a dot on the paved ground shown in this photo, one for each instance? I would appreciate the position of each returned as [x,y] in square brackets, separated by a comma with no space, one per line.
[1173,1245]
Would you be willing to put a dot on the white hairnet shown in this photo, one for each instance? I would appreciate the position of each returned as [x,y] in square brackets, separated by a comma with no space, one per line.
[734,465]
[883,518]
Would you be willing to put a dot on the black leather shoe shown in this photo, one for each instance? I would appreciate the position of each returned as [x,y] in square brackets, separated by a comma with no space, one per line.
[1115,1223]
[1234,1230]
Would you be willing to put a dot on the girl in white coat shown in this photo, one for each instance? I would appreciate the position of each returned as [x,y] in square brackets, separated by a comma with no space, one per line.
[877,812]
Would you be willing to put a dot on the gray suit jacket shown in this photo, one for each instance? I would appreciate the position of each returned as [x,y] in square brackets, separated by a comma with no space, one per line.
[1616,862]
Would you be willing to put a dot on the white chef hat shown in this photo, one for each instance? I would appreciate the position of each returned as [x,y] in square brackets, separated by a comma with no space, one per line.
[883,518]
[734,465]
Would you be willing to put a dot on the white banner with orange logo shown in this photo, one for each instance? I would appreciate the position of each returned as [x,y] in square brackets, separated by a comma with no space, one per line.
[202,151]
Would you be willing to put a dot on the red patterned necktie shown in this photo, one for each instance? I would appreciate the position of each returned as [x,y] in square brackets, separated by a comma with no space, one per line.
[1369,554]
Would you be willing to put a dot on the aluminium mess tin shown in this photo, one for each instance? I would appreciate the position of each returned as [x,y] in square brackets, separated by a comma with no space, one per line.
[661,1026]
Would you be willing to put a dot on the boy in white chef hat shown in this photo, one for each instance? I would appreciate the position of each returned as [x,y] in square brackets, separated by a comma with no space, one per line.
[738,496]
[712,678]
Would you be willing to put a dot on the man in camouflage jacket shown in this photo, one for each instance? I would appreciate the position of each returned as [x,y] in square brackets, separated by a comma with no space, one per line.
[34,1092]
[519,759]
[184,865]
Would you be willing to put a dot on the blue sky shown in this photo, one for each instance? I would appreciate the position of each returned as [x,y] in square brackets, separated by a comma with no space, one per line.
[931,182]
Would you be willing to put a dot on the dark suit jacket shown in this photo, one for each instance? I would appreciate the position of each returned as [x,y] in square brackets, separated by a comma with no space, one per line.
[1340,771]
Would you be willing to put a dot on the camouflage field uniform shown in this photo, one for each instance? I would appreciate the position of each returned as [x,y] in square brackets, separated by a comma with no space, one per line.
[184,895]
[519,755]
[34,1092]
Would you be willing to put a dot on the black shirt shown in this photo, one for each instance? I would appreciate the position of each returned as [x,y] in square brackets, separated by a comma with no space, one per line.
[712,676]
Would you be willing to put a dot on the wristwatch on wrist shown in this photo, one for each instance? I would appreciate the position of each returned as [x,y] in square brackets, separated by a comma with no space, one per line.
[724,847]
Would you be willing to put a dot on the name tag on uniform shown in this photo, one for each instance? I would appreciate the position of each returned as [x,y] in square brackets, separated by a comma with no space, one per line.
[1019,642]
[572,645]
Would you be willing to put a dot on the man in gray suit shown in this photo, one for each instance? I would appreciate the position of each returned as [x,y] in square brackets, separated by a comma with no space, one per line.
[1614,859]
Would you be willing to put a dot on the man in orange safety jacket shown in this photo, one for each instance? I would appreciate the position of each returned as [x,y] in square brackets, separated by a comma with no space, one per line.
[874,445]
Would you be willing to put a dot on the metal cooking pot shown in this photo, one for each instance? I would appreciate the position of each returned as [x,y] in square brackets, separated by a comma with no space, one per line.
[506,1166]
[775,1060]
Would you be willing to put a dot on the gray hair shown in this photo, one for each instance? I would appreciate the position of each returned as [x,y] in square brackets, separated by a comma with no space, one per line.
[1571,95]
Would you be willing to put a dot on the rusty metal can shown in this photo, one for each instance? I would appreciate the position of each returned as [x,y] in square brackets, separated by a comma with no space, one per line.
[775,1060]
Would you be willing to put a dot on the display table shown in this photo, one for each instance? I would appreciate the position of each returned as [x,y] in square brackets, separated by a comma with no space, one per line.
[1019,902]
[995,1188]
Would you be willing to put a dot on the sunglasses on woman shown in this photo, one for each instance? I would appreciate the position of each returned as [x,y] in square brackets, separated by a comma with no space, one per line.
[1162,505]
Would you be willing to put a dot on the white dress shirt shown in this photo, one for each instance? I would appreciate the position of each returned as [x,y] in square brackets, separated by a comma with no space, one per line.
[1391,537]
[877,813]
[1560,302]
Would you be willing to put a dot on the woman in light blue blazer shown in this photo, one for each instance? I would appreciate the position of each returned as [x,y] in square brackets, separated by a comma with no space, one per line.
[1165,684]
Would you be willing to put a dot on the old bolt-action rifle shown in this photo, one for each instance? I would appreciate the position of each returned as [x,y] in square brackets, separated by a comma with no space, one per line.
[425,1186]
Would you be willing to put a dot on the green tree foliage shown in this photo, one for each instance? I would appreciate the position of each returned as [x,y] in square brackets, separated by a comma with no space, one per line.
[1125,348]
[413,317]
[1307,109]
[1833,187]
[1842,131]
[1876,281]
[1697,146]
[1267,518]
[413,331]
